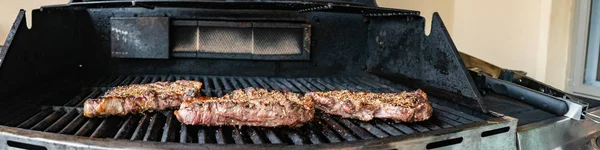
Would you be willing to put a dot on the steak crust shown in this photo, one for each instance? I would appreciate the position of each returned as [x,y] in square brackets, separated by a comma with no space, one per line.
[400,107]
[137,98]
[250,107]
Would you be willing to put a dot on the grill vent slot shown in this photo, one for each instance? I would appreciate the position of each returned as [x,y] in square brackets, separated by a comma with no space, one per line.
[241,40]
[24,145]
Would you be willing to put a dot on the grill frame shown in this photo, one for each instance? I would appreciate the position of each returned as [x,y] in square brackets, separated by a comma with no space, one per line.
[47,58]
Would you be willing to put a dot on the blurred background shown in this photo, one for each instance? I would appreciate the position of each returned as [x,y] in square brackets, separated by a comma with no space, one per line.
[528,35]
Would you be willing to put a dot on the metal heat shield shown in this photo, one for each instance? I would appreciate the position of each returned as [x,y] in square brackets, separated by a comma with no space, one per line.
[139,37]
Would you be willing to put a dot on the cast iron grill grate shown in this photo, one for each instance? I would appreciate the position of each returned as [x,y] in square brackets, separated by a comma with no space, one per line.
[162,126]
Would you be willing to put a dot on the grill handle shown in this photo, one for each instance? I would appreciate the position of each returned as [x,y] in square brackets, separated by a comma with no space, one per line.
[528,96]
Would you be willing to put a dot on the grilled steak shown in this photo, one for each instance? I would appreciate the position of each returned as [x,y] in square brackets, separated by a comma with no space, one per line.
[137,98]
[400,107]
[250,106]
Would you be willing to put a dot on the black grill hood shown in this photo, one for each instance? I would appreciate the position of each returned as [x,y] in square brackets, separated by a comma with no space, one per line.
[370,3]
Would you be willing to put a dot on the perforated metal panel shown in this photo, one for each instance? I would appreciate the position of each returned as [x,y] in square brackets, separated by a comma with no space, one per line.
[225,40]
[185,37]
[282,41]
[241,40]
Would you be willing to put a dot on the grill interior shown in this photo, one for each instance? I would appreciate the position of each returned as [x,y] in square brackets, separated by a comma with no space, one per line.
[60,111]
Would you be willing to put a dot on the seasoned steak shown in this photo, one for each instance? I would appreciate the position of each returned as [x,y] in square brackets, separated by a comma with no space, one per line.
[250,107]
[400,107]
[137,98]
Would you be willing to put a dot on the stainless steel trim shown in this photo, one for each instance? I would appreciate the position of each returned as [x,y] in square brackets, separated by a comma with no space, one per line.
[558,133]
[470,133]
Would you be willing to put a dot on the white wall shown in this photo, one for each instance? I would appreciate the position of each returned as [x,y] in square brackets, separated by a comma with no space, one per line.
[427,7]
[509,33]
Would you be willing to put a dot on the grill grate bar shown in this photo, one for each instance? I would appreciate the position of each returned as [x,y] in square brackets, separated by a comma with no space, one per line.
[387,128]
[338,128]
[101,80]
[127,128]
[170,128]
[154,127]
[236,133]
[252,82]
[234,83]
[146,79]
[287,85]
[456,113]
[78,98]
[371,129]
[94,94]
[254,136]
[418,127]
[438,121]
[355,129]
[139,131]
[22,116]
[62,121]
[137,80]
[404,128]
[243,82]
[107,127]
[325,131]
[225,85]
[263,84]
[126,81]
[217,88]
[88,127]
[312,136]
[440,116]
[47,121]
[430,125]
[273,138]
[183,134]
[116,81]
[294,136]
[36,118]
[219,136]
[73,125]
[206,87]
[202,136]
[307,85]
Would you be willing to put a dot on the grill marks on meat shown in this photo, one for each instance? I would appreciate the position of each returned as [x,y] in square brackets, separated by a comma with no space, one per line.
[400,107]
[250,106]
[137,98]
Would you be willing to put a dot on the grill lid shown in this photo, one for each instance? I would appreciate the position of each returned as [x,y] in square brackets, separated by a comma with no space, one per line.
[371,3]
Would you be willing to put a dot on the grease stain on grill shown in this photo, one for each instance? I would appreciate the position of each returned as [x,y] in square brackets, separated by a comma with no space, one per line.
[162,126]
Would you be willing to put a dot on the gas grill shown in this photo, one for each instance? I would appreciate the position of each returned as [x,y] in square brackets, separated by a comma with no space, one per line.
[79,50]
